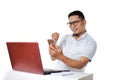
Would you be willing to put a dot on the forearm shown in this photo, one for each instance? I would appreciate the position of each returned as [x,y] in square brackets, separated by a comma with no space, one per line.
[58,54]
[72,62]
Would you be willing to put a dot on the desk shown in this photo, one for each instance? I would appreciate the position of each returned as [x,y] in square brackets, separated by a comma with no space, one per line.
[17,75]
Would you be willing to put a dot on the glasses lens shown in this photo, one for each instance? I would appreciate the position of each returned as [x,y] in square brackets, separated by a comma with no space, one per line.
[73,23]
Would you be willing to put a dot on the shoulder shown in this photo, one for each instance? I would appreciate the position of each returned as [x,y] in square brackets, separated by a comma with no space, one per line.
[67,36]
[90,40]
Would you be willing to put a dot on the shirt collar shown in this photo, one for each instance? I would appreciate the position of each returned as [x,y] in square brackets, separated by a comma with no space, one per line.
[83,36]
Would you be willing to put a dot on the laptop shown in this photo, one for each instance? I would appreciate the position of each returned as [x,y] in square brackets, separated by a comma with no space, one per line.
[25,56]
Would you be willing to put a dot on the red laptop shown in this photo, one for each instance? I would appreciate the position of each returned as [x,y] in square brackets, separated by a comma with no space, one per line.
[25,56]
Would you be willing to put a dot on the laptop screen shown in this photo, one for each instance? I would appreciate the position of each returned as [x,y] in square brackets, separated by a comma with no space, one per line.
[25,56]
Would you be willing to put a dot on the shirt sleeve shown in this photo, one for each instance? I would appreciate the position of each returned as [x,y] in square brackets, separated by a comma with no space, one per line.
[90,49]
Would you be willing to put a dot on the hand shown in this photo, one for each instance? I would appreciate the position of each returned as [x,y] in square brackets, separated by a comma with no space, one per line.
[55,36]
[51,46]
[55,51]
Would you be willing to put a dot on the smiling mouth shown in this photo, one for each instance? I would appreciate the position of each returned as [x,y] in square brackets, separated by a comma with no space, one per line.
[74,29]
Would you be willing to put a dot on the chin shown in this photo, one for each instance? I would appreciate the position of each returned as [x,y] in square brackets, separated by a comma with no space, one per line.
[75,33]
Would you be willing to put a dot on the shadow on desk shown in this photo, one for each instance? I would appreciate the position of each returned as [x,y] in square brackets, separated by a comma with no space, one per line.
[17,75]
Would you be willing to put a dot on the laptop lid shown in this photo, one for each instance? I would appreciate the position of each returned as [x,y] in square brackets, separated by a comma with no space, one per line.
[25,56]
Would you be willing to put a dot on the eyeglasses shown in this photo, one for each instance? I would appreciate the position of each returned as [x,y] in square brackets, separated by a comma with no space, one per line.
[73,23]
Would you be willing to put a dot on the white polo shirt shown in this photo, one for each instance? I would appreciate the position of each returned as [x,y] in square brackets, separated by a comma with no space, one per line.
[74,49]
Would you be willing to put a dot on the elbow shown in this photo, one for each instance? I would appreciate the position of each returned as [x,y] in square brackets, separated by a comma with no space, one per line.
[79,67]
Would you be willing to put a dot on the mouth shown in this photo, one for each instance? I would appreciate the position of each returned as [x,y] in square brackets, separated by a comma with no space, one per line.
[74,29]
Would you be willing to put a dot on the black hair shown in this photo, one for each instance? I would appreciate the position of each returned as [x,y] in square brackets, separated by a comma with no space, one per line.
[78,13]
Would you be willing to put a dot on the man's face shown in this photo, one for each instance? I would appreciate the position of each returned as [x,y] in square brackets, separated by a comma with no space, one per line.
[76,24]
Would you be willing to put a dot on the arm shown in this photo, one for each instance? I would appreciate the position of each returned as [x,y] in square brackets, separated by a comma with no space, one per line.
[75,63]
[57,53]
[53,41]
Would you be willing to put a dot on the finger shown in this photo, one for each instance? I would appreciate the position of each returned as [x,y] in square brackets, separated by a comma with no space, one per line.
[52,52]
[52,46]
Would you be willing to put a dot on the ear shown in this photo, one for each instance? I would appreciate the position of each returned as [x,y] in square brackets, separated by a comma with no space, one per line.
[84,22]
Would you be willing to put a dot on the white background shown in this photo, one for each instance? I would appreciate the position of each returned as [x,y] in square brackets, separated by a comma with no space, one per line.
[35,20]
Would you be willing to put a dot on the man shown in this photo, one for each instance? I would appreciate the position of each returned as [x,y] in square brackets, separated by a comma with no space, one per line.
[76,49]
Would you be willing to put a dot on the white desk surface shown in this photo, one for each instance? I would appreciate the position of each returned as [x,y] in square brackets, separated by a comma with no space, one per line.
[17,75]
